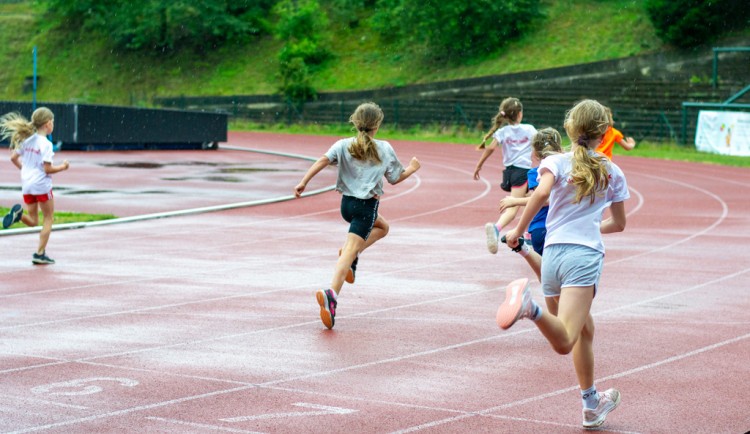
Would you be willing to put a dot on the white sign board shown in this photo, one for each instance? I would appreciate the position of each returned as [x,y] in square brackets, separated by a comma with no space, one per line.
[722,132]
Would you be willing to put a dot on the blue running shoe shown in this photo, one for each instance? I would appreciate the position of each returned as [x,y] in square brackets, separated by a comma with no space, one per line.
[42,259]
[13,216]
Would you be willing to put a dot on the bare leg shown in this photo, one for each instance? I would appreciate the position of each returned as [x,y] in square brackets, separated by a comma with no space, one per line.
[379,231]
[562,331]
[31,218]
[583,355]
[535,262]
[353,245]
[48,216]
[509,214]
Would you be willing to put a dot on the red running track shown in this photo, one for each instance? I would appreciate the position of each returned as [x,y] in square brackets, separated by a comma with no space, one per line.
[208,322]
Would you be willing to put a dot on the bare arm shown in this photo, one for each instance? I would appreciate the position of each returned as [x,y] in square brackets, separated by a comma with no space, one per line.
[534,204]
[485,155]
[616,223]
[628,143]
[413,167]
[50,169]
[16,160]
[317,166]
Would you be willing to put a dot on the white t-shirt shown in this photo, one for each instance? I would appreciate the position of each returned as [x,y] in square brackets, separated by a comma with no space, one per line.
[364,179]
[36,150]
[569,223]
[516,142]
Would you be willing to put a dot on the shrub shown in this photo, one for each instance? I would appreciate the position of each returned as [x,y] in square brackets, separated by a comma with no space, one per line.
[687,23]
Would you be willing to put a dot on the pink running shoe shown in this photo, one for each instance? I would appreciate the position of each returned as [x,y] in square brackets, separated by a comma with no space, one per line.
[608,401]
[327,306]
[517,304]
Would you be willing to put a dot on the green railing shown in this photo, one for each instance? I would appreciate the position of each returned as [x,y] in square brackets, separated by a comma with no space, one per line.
[718,50]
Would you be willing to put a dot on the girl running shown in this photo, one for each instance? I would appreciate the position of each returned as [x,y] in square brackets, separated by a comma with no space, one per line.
[580,185]
[362,163]
[613,136]
[32,154]
[546,142]
[515,138]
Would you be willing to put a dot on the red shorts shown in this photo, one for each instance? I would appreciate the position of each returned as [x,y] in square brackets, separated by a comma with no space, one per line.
[33,198]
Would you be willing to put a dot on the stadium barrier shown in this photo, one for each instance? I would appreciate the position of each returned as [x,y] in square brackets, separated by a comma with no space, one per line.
[99,127]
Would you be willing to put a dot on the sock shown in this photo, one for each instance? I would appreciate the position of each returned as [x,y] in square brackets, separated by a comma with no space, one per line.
[590,398]
[499,229]
[525,250]
[536,314]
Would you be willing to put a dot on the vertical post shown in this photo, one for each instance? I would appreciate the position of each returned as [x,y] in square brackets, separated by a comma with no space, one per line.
[33,104]
[684,124]
[716,68]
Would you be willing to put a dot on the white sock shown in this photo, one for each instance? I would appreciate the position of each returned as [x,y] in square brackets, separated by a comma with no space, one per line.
[525,250]
[590,398]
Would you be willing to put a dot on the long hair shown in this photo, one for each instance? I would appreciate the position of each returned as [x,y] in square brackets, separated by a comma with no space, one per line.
[366,118]
[509,110]
[585,124]
[546,142]
[18,129]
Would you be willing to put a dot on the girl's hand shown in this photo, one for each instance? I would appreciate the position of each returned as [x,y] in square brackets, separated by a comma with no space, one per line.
[415,163]
[507,202]
[66,165]
[476,173]
[299,189]
[511,238]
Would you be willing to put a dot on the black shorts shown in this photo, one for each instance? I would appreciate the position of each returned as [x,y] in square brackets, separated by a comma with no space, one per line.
[360,213]
[514,177]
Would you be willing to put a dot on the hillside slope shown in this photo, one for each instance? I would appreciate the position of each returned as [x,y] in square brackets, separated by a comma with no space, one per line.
[83,67]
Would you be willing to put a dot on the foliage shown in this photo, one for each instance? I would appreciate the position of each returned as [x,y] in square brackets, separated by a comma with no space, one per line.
[164,25]
[455,29]
[688,23]
[301,25]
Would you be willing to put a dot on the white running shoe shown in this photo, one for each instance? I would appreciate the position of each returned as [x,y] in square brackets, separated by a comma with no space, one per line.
[608,401]
[492,237]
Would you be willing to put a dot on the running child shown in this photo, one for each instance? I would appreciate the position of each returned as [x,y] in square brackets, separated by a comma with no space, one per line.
[579,185]
[515,138]
[362,163]
[613,136]
[546,142]
[32,154]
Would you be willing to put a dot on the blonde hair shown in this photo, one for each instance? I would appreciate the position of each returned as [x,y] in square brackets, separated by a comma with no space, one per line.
[509,110]
[18,129]
[366,118]
[546,142]
[585,124]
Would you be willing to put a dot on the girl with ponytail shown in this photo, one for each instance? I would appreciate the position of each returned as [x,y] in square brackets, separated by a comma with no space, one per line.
[579,186]
[362,163]
[32,154]
[515,138]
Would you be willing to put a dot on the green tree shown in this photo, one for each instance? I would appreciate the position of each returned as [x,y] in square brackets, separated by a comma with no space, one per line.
[687,23]
[454,29]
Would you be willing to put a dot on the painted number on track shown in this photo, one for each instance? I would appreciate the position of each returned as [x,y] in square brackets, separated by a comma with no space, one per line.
[320,410]
[81,386]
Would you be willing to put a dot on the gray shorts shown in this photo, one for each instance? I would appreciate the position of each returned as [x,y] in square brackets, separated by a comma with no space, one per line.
[566,265]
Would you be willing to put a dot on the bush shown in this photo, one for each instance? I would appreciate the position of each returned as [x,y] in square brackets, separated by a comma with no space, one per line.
[166,24]
[455,29]
[688,23]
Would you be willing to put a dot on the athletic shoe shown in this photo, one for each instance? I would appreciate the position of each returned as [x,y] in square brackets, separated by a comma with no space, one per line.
[521,242]
[517,304]
[327,306]
[13,216]
[42,259]
[491,230]
[352,269]
[608,401]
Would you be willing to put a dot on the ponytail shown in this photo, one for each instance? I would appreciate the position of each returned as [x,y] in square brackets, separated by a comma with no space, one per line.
[589,174]
[510,108]
[366,118]
[18,129]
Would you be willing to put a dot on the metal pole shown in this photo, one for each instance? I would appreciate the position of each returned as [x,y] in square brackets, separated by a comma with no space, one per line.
[33,104]
[716,67]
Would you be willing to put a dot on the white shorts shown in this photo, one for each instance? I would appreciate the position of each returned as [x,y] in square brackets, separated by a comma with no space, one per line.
[567,265]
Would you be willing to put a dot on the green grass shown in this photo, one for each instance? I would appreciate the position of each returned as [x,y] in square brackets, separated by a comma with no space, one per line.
[462,135]
[83,67]
[64,217]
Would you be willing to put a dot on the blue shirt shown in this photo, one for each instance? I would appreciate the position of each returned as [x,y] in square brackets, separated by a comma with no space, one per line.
[540,219]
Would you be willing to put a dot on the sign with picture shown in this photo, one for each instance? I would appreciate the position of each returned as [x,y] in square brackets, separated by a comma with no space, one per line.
[723,132]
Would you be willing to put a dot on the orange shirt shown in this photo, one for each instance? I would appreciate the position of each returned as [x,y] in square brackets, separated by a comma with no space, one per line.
[608,142]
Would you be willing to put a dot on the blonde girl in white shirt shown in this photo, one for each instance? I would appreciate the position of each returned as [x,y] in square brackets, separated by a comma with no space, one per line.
[579,185]
[32,154]
[515,138]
